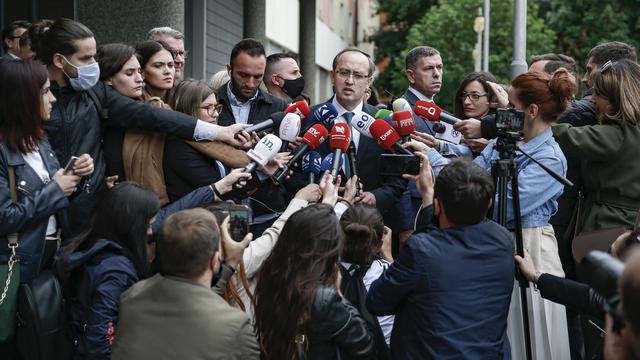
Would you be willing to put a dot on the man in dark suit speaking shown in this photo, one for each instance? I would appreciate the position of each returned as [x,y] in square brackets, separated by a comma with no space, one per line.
[351,76]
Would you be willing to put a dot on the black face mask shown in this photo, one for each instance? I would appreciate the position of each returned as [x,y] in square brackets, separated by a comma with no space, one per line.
[293,88]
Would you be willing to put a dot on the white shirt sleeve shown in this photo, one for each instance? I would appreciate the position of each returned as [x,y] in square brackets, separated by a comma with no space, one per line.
[205,131]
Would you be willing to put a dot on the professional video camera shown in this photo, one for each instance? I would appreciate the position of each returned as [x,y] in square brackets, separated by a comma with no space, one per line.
[509,123]
[601,272]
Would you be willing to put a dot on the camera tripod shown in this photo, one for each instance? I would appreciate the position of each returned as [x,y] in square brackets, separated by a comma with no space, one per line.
[504,170]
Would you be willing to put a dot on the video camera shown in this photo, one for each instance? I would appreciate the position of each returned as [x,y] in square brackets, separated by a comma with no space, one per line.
[601,272]
[509,120]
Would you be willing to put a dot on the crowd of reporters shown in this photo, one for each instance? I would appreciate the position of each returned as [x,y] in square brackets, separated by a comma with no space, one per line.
[109,158]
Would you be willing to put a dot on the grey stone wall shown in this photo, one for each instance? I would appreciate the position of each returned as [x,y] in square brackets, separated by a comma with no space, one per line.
[129,21]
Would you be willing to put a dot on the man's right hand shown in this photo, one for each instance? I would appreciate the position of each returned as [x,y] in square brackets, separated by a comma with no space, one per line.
[470,128]
[227,134]
[424,179]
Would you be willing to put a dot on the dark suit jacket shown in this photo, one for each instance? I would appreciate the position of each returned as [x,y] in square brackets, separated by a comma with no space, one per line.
[421,124]
[275,197]
[450,291]
[387,190]
[262,107]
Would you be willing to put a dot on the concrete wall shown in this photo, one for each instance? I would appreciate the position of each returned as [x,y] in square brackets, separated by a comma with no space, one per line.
[224,30]
[129,21]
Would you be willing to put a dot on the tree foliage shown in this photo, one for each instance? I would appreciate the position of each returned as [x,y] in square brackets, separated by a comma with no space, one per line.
[399,15]
[448,27]
[582,24]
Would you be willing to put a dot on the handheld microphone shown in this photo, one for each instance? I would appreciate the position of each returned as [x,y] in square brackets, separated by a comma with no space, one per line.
[273,122]
[327,163]
[312,165]
[401,104]
[266,149]
[361,121]
[384,114]
[301,108]
[339,144]
[386,137]
[289,129]
[402,122]
[324,114]
[352,164]
[432,112]
[315,136]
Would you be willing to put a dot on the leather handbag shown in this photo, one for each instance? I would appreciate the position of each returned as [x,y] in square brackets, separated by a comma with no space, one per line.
[9,277]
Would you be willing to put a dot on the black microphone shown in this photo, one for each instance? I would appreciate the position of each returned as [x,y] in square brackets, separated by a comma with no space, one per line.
[273,122]
[352,165]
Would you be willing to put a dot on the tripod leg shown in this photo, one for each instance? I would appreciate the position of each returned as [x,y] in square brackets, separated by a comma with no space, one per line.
[523,284]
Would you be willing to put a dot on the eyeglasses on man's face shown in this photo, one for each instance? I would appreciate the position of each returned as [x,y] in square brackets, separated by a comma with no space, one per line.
[346,74]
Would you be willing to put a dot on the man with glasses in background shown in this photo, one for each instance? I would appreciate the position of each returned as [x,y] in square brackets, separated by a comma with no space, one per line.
[11,39]
[175,40]
[351,75]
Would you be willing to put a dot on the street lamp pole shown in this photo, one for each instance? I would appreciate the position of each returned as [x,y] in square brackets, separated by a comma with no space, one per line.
[485,48]
[519,65]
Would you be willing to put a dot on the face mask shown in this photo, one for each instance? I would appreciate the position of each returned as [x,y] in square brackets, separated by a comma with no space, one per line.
[293,88]
[88,76]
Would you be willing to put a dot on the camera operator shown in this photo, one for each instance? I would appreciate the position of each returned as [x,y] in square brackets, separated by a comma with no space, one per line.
[542,98]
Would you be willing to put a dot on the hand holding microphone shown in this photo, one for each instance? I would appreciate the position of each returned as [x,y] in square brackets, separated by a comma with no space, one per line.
[273,122]
[432,112]
[315,136]
[266,149]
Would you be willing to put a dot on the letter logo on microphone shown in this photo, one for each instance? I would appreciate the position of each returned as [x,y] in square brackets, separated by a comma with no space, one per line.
[267,142]
[384,136]
[340,130]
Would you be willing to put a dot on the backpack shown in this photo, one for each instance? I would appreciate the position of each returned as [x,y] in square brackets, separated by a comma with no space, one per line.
[353,289]
[42,329]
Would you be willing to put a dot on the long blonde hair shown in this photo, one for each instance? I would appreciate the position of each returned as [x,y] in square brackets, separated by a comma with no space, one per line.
[619,82]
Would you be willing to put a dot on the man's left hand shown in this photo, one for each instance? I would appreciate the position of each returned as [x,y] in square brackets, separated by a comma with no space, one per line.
[366,198]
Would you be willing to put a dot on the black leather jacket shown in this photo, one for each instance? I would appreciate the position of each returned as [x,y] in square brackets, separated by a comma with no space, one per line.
[336,329]
[29,217]
[76,128]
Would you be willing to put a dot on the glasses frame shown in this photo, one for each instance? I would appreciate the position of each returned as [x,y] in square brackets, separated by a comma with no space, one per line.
[210,108]
[346,74]
[472,96]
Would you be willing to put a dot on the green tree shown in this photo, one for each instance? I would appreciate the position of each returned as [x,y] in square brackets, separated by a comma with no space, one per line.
[448,27]
[399,16]
[580,25]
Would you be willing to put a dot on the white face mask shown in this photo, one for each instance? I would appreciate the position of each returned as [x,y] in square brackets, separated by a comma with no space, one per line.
[88,76]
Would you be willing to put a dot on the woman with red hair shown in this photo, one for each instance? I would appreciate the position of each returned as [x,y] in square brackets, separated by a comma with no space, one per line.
[542,98]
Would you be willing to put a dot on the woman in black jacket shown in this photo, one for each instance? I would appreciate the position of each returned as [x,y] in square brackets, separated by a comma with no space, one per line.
[300,312]
[26,160]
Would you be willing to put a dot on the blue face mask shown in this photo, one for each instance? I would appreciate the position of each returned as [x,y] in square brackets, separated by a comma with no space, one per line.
[88,76]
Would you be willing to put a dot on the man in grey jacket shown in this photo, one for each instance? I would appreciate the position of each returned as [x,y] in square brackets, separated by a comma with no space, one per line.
[177,315]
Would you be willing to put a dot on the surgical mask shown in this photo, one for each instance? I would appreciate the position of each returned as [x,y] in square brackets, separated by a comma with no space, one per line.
[88,76]
[293,88]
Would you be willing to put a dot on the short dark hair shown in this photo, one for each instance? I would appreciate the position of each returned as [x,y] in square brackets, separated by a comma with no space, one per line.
[372,65]
[188,240]
[146,49]
[58,38]
[464,189]
[552,57]
[112,57]
[419,52]
[273,59]
[554,65]
[614,51]
[9,30]
[35,34]
[21,103]
[251,47]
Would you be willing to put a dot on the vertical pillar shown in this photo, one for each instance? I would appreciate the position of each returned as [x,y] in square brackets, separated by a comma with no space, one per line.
[253,22]
[519,65]
[307,46]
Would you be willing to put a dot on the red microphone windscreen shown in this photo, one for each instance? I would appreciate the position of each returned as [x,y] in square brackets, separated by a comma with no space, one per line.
[340,137]
[384,134]
[299,107]
[315,136]
[427,110]
[401,119]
